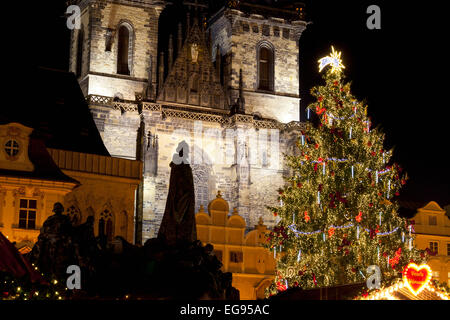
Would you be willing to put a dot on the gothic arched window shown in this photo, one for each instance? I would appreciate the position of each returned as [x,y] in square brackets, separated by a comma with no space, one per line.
[201,174]
[265,67]
[106,225]
[74,215]
[195,83]
[80,49]
[124,50]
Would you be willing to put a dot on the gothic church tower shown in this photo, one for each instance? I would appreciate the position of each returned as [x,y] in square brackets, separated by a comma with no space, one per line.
[259,48]
[114,53]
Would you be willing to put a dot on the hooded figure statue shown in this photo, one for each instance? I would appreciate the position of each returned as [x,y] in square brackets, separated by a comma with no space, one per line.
[178,224]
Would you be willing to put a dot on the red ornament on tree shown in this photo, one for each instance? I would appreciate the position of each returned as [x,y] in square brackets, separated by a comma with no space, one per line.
[307,218]
[330,232]
[359,217]
[320,110]
[281,287]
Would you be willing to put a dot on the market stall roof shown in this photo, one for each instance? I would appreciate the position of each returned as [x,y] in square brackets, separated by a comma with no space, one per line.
[400,291]
[13,263]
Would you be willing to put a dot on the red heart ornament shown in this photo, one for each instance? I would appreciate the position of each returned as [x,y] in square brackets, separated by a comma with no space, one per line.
[416,277]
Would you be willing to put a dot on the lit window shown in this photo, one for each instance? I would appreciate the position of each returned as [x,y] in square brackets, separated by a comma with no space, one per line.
[432,220]
[27,214]
[12,148]
[434,246]
[435,274]
[236,257]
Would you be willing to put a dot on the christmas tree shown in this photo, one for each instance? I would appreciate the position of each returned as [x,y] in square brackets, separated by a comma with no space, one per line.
[337,213]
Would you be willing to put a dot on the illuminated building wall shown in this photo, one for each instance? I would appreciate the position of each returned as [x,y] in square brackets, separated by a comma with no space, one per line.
[432,229]
[240,252]
[33,178]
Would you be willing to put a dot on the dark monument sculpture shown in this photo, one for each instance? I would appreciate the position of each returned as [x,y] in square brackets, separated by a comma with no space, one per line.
[178,224]
[54,251]
[60,245]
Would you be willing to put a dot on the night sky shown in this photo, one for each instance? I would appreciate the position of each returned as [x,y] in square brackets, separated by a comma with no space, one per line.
[397,70]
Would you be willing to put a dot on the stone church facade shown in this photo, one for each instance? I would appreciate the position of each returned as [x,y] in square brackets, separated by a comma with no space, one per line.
[225,81]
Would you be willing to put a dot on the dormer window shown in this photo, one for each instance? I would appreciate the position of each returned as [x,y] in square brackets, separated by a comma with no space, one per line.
[12,148]
[14,141]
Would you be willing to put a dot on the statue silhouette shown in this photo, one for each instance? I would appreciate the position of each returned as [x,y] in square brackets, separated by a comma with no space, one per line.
[178,224]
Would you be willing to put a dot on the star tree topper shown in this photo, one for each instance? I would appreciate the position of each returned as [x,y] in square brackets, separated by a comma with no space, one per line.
[334,60]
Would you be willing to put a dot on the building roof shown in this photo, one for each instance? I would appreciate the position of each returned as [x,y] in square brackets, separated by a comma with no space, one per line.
[409,209]
[44,166]
[55,107]
[276,8]
[400,291]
